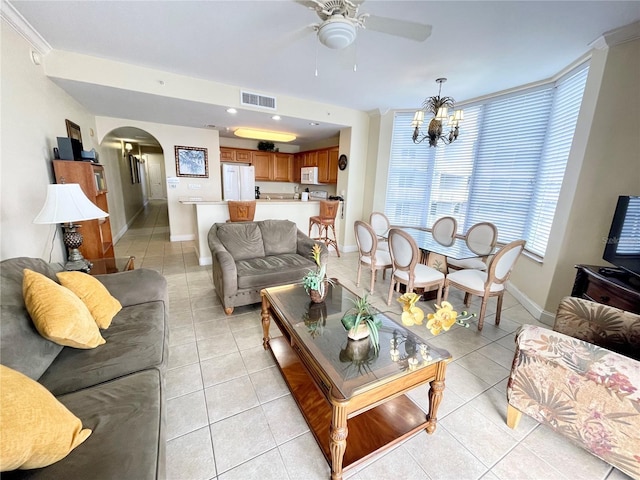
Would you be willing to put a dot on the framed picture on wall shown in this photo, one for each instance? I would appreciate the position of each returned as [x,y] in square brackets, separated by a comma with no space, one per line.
[132,168]
[73,130]
[191,162]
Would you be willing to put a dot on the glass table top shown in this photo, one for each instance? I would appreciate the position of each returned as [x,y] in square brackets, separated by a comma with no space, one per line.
[352,366]
[458,250]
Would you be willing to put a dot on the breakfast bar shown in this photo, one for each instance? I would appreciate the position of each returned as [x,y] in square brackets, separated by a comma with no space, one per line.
[209,211]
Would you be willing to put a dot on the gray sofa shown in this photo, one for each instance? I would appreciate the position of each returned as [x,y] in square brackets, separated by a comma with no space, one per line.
[116,389]
[250,256]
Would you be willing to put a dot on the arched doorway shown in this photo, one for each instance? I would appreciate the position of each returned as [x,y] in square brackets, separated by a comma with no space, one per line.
[136,171]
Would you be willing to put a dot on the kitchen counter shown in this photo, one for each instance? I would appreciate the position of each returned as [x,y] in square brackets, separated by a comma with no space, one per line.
[210,211]
[272,200]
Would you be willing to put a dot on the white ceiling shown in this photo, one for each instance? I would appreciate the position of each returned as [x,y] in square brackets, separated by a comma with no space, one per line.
[267,46]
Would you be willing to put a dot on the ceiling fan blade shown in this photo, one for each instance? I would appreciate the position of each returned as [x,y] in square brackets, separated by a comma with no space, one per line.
[399,28]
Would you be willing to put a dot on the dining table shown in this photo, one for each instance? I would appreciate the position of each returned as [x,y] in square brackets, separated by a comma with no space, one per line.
[435,254]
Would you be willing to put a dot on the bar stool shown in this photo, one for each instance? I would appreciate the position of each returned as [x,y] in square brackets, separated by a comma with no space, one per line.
[241,211]
[325,221]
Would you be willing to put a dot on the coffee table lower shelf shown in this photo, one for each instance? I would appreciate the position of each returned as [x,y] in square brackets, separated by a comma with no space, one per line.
[369,432]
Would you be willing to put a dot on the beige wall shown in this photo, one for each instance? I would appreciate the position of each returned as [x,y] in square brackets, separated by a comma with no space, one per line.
[604,162]
[33,114]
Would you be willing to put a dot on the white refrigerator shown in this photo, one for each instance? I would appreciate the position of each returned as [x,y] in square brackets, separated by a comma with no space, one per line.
[238,182]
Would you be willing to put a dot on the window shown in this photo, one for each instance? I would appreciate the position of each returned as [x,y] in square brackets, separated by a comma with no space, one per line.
[506,167]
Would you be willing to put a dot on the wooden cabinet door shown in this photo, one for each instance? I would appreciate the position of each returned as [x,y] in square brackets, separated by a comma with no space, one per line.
[227,154]
[262,164]
[243,156]
[298,162]
[323,166]
[333,165]
[282,167]
[311,159]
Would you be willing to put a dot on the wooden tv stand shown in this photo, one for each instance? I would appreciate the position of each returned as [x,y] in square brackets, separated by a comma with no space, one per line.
[609,286]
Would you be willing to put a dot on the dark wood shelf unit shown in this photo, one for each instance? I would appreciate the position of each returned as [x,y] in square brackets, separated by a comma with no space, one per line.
[608,286]
[97,238]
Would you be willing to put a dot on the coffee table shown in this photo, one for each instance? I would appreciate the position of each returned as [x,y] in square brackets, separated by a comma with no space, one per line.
[352,398]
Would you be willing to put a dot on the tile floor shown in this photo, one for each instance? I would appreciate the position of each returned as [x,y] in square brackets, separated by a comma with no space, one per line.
[230,415]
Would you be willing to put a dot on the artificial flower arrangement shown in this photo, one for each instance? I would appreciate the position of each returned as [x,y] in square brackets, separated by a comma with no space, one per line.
[443,318]
[315,280]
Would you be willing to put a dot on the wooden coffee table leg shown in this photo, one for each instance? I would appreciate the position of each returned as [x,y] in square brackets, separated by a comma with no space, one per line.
[338,438]
[435,397]
[266,320]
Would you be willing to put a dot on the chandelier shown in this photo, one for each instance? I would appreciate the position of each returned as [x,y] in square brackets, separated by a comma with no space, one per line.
[439,107]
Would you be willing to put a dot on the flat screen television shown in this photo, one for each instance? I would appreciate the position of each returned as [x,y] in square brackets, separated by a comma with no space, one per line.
[623,243]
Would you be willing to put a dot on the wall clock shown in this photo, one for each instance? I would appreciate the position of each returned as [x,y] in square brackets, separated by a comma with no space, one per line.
[342,162]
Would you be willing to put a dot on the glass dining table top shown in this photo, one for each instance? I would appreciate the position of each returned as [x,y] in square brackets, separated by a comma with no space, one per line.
[352,366]
[458,250]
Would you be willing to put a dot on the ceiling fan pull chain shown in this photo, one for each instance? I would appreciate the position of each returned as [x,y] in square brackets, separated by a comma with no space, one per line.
[355,55]
[316,59]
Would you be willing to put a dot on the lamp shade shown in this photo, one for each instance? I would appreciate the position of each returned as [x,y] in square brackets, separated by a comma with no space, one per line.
[67,203]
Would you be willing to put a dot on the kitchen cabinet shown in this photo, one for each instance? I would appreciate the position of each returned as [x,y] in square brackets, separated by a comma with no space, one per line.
[97,239]
[235,155]
[261,161]
[282,164]
[325,159]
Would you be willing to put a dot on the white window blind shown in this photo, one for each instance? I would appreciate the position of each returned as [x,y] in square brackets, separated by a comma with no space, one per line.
[629,241]
[506,167]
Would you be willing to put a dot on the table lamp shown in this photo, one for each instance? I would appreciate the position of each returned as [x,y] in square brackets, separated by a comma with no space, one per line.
[66,203]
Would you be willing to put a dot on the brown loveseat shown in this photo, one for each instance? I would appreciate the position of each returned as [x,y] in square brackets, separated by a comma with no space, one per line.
[583,380]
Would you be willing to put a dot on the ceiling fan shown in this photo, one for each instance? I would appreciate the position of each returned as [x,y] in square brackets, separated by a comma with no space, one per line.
[340,20]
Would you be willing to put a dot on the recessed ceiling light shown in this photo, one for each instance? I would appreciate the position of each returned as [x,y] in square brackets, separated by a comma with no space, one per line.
[264,135]
[210,125]
[232,110]
[275,117]
[314,124]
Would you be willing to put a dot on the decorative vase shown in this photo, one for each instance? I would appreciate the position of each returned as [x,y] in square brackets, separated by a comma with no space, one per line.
[355,350]
[315,295]
[359,332]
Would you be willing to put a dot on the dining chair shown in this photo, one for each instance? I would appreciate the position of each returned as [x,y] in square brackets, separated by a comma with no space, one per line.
[444,230]
[486,284]
[381,225]
[326,221]
[481,239]
[406,270]
[370,255]
[241,211]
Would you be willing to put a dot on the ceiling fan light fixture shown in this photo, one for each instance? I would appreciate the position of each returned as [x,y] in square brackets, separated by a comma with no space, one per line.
[264,135]
[337,32]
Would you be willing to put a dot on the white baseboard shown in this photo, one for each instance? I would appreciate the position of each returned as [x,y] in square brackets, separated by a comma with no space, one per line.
[204,261]
[533,308]
[182,238]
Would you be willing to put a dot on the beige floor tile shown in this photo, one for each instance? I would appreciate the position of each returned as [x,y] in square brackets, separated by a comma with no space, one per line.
[303,459]
[183,380]
[483,367]
[230,398]
[181,355]
[463,383]
[240,438]
[257,358]
[523,464]
[284,408]
[269,384]
[191,456]
[222,369]
[181,335]
[499,354]
[212,328]
[268,466]
[186,414]
[216,346]
[396,464]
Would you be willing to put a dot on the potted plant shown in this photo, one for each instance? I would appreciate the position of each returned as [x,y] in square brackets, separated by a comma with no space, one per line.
[361,321]
[315,281]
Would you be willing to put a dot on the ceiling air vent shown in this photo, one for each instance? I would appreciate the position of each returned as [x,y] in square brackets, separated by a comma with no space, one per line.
[256,100]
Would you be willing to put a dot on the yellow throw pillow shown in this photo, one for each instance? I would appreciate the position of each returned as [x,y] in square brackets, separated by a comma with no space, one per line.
[93,294]
[37,430]
[58,314]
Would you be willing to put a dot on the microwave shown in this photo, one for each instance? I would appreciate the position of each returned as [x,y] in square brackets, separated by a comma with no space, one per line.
[309,176]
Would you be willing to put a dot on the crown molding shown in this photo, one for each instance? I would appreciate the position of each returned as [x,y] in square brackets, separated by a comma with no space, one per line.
[617,36]
[9,14]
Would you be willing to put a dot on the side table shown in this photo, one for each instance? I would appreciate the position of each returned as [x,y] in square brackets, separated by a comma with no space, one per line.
[102,266]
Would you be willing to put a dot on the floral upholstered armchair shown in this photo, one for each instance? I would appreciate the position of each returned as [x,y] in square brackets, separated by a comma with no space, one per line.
[583,380]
